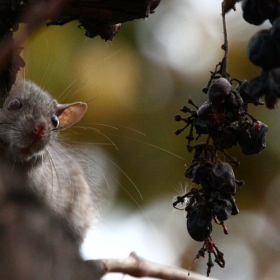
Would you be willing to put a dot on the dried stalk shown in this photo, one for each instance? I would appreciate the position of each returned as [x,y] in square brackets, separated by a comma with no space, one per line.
[224,72]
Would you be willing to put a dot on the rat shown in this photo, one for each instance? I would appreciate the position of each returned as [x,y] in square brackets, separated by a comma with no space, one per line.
[32,157]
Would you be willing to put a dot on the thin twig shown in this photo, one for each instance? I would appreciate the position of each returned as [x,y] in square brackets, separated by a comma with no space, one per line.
[224,72]
[138,267]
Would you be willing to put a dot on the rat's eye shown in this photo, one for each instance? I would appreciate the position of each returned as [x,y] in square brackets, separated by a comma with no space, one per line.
[55,121]
[14,105]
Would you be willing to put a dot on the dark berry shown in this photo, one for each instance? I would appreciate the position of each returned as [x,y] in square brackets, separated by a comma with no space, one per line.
[200,172]
[177,118]
[262,50]
[222,207]
[268,9]
[198,150]
[271,101]
[228,137]
[201,126]
[223,178]
[251,12]
[218,91]
[204,110]
[252,140]
[235,209]
[199,220]
[233,101]
[258,87]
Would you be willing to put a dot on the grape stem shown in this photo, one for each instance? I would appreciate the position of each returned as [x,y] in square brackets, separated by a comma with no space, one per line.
[224,72]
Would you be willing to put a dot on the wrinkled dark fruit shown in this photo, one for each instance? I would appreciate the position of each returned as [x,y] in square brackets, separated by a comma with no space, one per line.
[200,172]
[222,207]
[199,222]
[225,121]
[267,84]
[235,209]
[253,140]
[251,13]
[262,50]
[223,179]
[257,11]
[218,91]
[271,101]
[258,87]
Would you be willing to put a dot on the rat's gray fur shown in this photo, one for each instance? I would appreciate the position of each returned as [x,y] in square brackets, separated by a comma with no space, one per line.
[44,165]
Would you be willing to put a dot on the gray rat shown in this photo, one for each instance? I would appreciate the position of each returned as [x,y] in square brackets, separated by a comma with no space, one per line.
[31,156]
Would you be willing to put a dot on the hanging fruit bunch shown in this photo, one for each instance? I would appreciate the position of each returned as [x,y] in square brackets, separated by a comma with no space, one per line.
[224,121]
[264,50]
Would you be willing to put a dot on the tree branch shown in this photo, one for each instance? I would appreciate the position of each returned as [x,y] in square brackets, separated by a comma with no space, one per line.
[37,244]
[139,267]
[98,17]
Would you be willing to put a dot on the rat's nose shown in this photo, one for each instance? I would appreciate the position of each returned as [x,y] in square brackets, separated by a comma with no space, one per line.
[39,130]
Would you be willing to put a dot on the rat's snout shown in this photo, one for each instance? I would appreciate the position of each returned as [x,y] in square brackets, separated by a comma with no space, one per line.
[38,127]
[40,130]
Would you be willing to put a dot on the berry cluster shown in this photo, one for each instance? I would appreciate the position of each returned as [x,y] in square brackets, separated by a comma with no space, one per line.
[264,50]
[225,121]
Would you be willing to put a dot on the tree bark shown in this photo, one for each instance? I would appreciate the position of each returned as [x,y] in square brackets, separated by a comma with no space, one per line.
[98,17]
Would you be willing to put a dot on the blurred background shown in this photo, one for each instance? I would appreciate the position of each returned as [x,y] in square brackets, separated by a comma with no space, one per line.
[133,87]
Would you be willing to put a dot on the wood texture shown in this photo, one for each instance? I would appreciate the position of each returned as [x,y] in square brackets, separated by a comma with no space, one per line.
[98,17]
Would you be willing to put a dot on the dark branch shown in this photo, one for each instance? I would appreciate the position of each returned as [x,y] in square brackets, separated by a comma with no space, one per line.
[98,17]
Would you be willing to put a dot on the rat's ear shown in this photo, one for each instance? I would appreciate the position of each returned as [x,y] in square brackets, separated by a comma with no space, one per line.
[69,114]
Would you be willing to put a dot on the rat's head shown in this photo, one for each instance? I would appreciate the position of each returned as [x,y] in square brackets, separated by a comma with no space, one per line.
[28,118]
